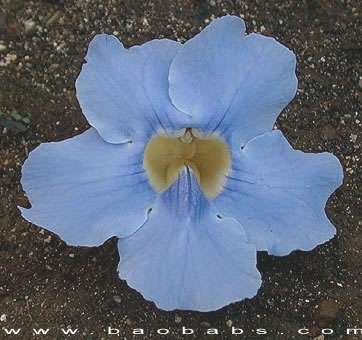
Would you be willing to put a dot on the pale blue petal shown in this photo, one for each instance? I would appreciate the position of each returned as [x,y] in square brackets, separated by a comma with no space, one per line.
[123,93]
[232,84]
[204,73]
[86,190]
[185,257]
[279,194]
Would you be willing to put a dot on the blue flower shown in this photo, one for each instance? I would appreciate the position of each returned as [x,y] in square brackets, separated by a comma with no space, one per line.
[182,164]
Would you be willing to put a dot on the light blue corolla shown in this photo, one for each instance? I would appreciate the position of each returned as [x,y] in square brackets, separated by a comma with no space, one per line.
[183,166]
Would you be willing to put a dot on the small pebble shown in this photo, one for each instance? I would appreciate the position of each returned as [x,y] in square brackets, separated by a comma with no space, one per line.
[117,298]
[53,67]
[8,59]
[229,323]
[326,312]
[29,25]
[328,132]
[360,83]
[314,331]
[319,337]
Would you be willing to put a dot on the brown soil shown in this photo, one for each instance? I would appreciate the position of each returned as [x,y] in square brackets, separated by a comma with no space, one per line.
[45,283]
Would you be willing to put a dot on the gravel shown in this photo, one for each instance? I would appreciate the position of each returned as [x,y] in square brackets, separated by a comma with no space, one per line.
[46,283]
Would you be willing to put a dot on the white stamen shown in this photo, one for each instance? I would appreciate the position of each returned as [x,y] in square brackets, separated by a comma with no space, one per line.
[187,137]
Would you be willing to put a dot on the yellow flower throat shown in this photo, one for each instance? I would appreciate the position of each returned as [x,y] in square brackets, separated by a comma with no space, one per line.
[165,157]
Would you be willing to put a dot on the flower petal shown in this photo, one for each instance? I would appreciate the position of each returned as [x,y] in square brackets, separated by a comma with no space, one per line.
[86,190]
[117,87]
[185,257]
[278,194]
[233,84]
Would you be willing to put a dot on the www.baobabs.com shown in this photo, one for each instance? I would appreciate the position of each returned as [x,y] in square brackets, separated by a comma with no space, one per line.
[166,331]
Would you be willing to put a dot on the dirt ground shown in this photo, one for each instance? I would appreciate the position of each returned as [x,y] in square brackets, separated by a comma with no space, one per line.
[45,283]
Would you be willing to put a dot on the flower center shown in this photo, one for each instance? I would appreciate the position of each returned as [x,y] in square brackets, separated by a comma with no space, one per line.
[209,158]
